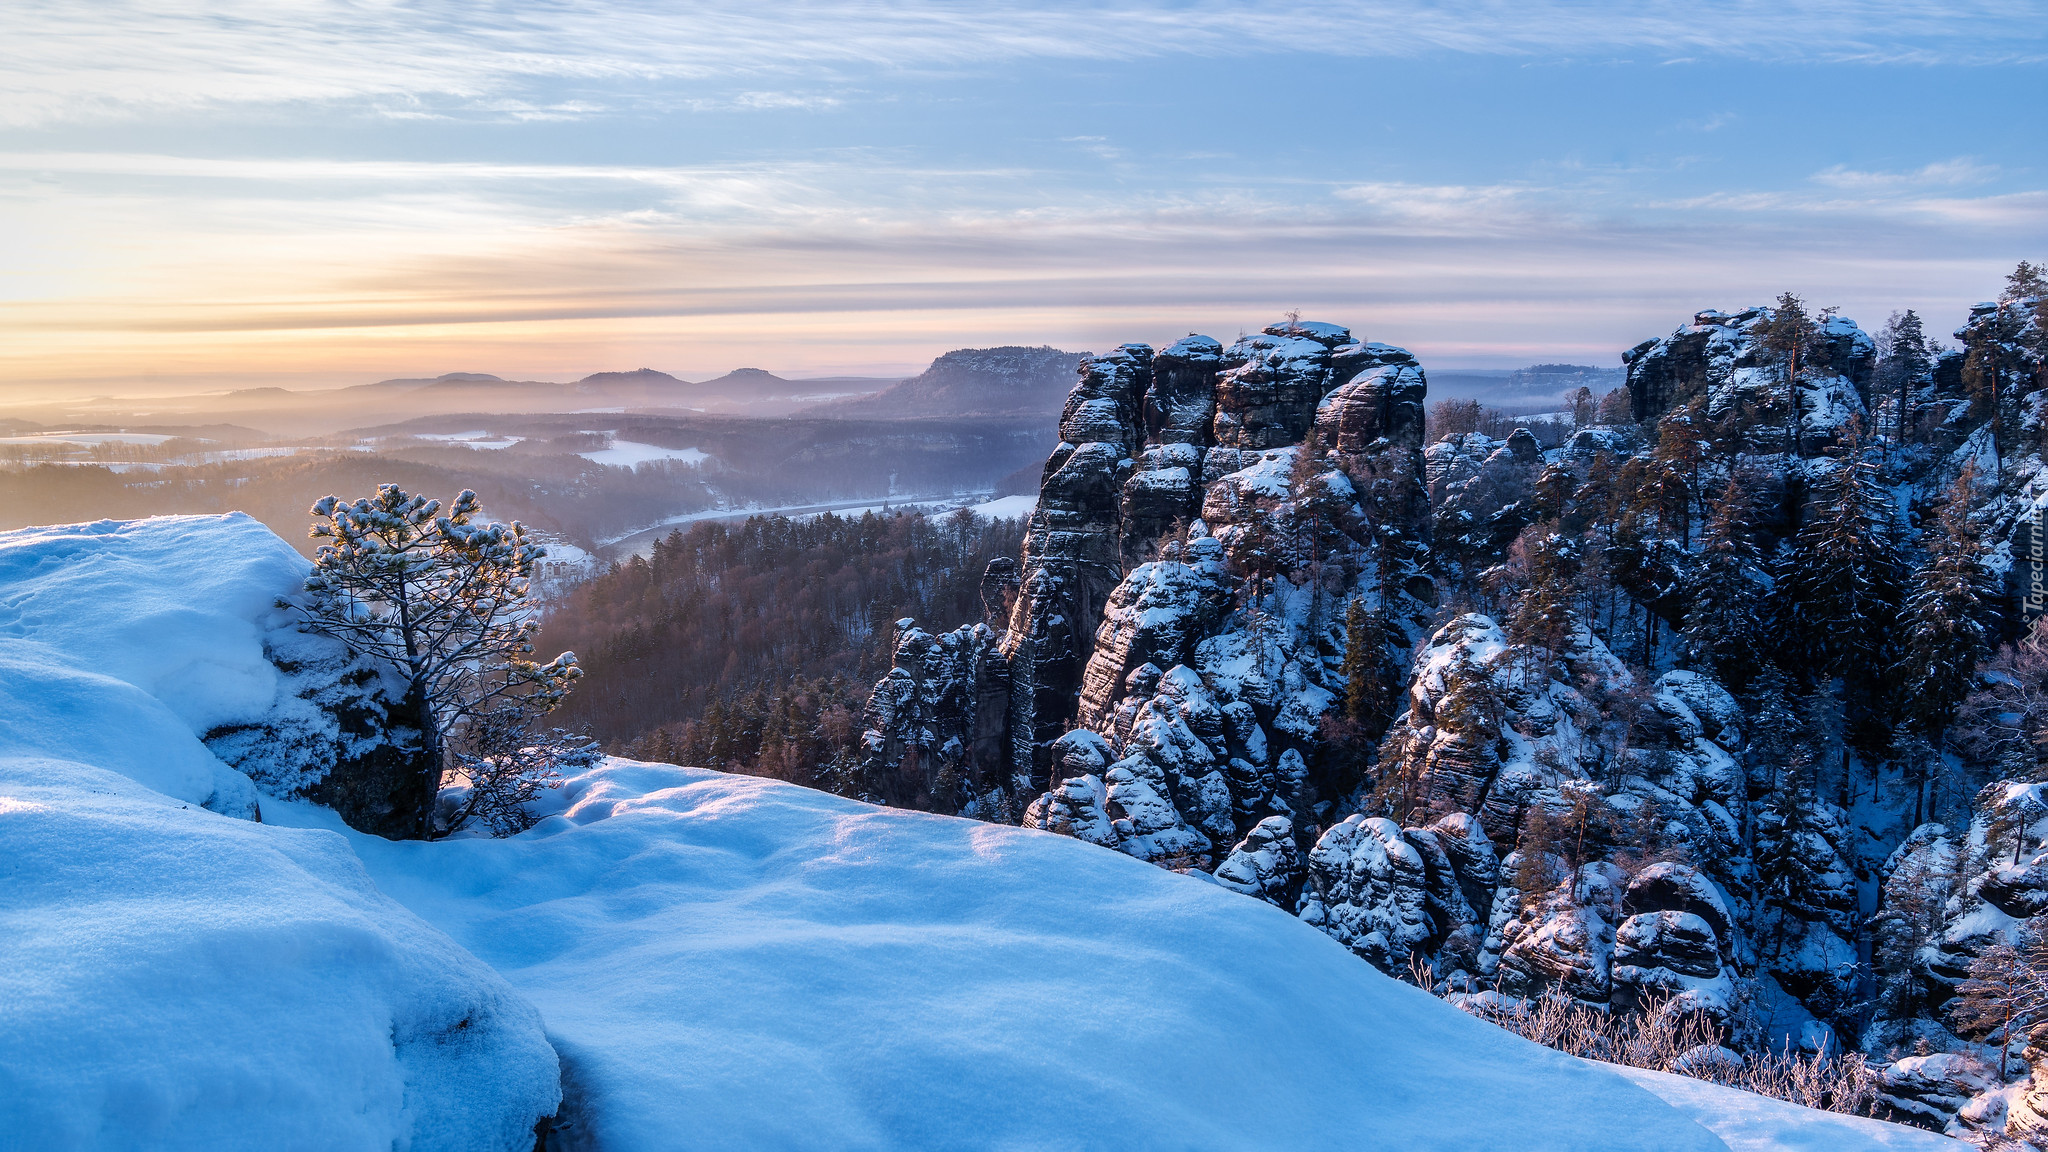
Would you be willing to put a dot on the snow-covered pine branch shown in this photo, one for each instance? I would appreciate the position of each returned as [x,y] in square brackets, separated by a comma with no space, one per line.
[443,599]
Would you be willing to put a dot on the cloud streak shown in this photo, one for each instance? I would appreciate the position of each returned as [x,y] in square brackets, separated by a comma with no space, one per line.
[414,60]
[386,267]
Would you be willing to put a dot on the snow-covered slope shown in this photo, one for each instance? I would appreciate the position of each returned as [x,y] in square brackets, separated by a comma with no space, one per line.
[172,977]
[721,961]
[729,962]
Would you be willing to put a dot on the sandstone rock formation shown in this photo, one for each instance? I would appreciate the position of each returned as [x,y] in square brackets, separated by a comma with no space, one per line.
[1164,673]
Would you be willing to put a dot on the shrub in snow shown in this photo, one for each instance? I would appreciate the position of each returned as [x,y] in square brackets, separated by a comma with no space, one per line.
[503,767]
[441,598]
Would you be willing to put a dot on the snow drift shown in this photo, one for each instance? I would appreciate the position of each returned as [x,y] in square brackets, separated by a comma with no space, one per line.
[172,977]
[729,962]
[720,961]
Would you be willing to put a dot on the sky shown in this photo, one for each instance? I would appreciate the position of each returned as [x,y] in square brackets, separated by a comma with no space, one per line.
[312,193]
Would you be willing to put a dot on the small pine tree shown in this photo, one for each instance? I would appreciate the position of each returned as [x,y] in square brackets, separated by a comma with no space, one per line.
[1785,865]
[1905,359]
[1536,844]
[1544,614]
[442,599]
[503,765]
[1919,765]
[2026,281]
[1555,487]
[1583,408]
[1617,406]
[1684,442]
[1842,585]
[2007,990]
[1774,733]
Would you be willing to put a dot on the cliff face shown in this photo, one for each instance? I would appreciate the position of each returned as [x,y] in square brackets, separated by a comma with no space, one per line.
[1723,360]
[1234,544]
[1174,627]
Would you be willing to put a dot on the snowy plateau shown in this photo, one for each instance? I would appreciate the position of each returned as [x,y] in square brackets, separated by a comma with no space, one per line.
[672,958]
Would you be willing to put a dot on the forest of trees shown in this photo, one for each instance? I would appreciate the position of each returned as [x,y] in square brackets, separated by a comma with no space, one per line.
[753,646]
[560,493]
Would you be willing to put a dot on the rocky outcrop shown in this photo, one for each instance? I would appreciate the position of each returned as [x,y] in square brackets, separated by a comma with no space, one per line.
[1222,524]
[1481,491]
[934,727]
[1208,516]
[1265,864]
[1071,556]
[344,736]
[1720,360]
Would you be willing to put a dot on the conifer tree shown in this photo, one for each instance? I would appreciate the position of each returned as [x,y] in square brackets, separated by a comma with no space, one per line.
[1583,410]
[1919,765]
[1684,442]
[1536,856]
[2026,281]
[2006,991]
[1555,488]
[1789,334]
[1946,629]
[1371,687]
[1785,868]
[1617,406]
[1842,586]
[1775,731]
[442,599]
[1905,360]
[1724,628]
[1544,616]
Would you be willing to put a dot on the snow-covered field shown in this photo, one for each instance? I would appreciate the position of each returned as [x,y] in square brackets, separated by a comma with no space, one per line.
[88,438]
[626,453]
[1005,508]
[720,961]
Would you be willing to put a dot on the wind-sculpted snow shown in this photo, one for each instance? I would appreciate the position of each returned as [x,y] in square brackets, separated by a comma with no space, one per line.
[728,962]
[720,961]
[173,977]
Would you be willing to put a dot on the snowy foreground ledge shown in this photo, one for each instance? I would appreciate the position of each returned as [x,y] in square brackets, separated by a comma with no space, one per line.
[719,961]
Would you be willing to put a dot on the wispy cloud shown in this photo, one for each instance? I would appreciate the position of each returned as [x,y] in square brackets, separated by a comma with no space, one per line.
[371,267]
[57,64]
[1941,174]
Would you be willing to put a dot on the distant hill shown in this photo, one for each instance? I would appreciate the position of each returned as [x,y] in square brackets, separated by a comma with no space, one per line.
[639,379]
[1536,384]
[1009,381]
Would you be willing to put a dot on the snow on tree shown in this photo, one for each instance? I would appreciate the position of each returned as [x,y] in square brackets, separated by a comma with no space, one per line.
[1948,618]
[1724,594]
[1372,689]
[2005,993]
[1906,357]
[1789,336]
[1842,586]
[443,599]
[504,766]
[1544,615]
